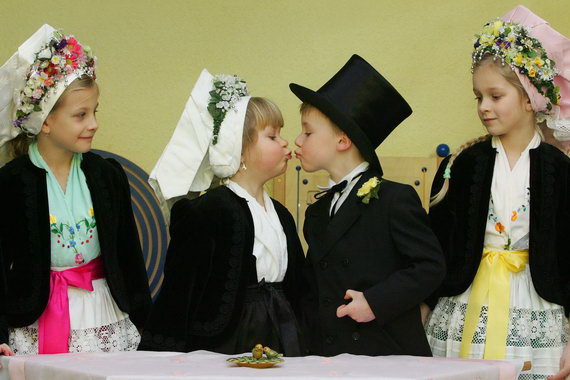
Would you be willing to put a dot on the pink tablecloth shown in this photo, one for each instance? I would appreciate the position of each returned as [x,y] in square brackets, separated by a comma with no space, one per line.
[212,366]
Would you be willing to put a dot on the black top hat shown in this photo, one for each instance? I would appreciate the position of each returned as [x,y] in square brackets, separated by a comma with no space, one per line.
[361,102]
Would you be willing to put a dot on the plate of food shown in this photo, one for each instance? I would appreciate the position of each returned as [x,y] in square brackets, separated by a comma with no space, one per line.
[257,360]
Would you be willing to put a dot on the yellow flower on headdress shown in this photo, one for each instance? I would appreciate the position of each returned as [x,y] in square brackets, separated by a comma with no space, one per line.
[532,72]
[496,26]
[519,60]
[538,61]
[486,39]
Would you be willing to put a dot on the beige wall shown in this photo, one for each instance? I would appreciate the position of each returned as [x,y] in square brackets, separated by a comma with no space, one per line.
[151,52]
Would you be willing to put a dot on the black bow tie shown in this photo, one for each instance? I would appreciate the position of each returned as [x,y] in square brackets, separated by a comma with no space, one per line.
[338,188]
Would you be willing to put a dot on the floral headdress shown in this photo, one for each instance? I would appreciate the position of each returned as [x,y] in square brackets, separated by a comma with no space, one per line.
[228,90]
[512,43]
[61,59]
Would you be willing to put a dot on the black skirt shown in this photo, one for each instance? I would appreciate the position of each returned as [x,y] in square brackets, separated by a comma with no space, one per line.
[266,318]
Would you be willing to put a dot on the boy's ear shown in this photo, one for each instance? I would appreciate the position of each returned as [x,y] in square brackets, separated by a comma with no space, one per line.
[343,142]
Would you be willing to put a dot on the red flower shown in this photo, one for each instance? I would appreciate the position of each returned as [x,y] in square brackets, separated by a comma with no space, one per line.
[50,69]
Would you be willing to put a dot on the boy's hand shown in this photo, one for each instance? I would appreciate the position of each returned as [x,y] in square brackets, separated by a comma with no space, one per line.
[358,309]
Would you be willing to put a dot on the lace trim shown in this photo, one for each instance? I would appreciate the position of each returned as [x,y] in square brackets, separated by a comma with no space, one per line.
[554,122]
[114,337]
[534,334]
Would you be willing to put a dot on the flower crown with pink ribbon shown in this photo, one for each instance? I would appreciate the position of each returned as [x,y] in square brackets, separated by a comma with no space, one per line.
[512,43]
[539,55]
[62,58]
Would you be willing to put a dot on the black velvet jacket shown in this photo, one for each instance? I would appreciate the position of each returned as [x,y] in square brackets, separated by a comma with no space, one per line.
[385,249]
[209,266]
[459,220]
[25,240]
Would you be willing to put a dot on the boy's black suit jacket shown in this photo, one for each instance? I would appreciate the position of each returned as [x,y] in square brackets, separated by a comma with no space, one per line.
[385,249]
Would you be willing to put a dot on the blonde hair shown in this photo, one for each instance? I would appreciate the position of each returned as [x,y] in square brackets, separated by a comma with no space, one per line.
[260,113]
[511,77]
[20,144]
[443,191]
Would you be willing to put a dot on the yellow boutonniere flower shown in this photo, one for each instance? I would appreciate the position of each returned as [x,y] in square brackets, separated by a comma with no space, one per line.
[369,190]
[52,219]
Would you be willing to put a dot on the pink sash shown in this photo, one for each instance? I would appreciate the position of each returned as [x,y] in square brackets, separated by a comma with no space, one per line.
[54,323]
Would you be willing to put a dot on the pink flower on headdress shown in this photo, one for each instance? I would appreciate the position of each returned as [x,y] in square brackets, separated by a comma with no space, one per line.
[71,43]
[77,49]
[38,92]
[48,82]
[71,59]
[81,58]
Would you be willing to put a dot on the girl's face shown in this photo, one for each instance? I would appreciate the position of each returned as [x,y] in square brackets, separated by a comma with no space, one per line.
[500,105]
[73,124]
[269,154]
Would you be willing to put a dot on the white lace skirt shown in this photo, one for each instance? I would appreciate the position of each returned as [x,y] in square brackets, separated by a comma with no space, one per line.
[97,324]
[538,330]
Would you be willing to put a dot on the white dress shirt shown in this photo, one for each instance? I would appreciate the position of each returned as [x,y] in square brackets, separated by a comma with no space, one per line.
[351,179]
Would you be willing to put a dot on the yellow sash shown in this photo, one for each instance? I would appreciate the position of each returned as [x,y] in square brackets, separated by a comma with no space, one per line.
[492,282]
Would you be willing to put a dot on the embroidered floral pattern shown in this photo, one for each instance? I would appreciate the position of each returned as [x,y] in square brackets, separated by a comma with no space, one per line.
[500,227]
[74,236]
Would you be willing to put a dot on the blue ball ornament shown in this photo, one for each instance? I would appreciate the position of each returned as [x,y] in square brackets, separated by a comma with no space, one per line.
[442,150]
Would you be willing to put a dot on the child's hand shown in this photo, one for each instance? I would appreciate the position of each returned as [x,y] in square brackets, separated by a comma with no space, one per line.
[358,309]
[425,310]
[564,372]
[6,351]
